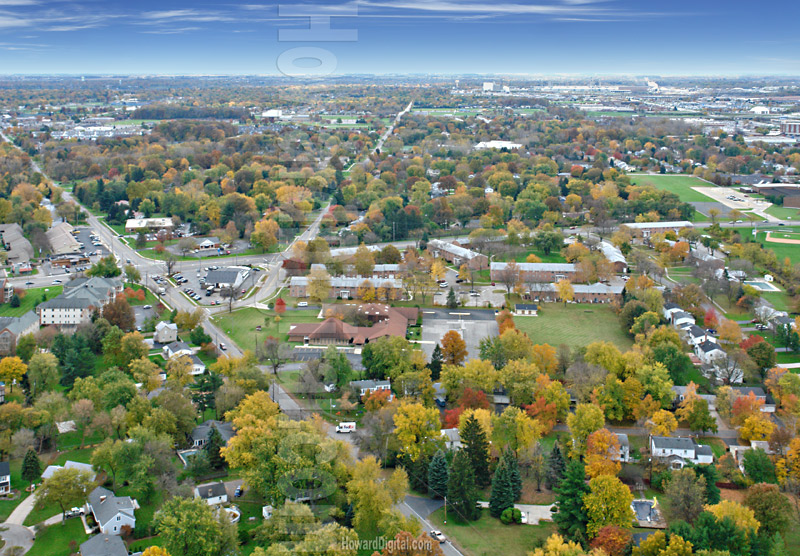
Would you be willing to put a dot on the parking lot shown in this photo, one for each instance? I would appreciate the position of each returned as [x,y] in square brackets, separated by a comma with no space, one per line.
[473,325]
[194,285]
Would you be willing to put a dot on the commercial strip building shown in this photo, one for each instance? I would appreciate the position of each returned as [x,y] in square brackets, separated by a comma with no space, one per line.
[457,255]
[536,272]
[136,225]
[348,288]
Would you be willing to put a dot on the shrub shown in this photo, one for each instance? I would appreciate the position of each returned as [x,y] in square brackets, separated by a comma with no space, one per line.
[511,515]
[660,480]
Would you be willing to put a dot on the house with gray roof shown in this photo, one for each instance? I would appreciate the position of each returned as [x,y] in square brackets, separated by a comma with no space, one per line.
[18,249]
[201,432]
[679,451]
[212,493]
[176,349]
[231,277]
[452,439]
[48,472]
[112,512]
[104,545]
[681,318]
[166,332]
[61,240]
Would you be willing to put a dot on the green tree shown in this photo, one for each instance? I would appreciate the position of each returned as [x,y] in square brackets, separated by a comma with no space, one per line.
[476,447]
[64,488]
[700,418]
[502,495]
[570,515]
[31,467]
[15,301]
[462,496]
[43,373]
[105,268]
[685,495]
[556,466]
[711,475]
[26,347]
[773,510]
[438,475]
[452,300]
[190,526]
[513,472]
[212,447]
[110,456]
[437,360]
[586,419]
[758,466]
[132,274]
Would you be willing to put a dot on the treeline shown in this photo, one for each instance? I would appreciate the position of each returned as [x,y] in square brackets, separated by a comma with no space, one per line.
[174,112]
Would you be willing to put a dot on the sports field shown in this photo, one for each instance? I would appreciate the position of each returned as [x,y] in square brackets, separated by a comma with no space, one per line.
[680,185]
[782,250]
[575,325]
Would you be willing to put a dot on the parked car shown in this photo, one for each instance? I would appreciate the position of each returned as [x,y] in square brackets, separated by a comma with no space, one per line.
[303,304]
[28,283]
[711,331]
[222,347]
[238,492]
[760,326]
[444,285]
[147,307]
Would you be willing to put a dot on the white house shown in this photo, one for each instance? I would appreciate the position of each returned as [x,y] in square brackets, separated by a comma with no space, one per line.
[112,512]
[452,439]
[48,472]
[624,448]
[681,318]
[166,332]
[366,387]
[678,451]
[198,367]
[212,493]
[176,349]
[669,309]
[61,311]
[696,335]
[5,477]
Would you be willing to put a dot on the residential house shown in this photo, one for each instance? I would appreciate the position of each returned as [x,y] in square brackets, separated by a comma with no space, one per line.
[624,448]
[176,349]
[166,332]
[695,335]
[48,472]
[212,493]
[680,394]
[207,243]
[678,451]
[457,255]
[5,477]
[708,351]
[768,405]
[13,328]
[198,367]
[367,387]
[104,545]
[201,432]
[778,322]
[112,512]
[681,318]
[452,439]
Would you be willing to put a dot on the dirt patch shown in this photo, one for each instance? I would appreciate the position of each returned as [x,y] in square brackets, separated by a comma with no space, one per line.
[731,494]
[531,496]
[781,240]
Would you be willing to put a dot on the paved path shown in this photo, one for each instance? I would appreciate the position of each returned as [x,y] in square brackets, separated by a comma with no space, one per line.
[16,535]
[414,506]
[19,514]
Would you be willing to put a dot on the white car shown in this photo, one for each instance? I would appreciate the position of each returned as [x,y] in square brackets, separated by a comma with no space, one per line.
[302,304]
[438,536]
[444,285]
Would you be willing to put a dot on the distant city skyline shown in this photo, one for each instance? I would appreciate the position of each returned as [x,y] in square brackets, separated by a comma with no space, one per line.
[551,37]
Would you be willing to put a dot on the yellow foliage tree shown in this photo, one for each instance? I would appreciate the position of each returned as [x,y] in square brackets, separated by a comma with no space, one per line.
[662,423]
[12,369]
[741,515]
[608,502]
[602,454]
[415,426]
[756,427]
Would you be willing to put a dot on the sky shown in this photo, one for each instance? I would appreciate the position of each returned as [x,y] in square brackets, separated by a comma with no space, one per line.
[547,37]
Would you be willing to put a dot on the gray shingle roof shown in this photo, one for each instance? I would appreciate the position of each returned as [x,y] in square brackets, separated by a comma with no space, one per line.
[707,346]
[104,545]
[105,510]
[222,276]
[211,490]
[202,431]
[674,443]
[62,302]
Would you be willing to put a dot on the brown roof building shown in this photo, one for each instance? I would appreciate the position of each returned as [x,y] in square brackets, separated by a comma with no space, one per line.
[389,321]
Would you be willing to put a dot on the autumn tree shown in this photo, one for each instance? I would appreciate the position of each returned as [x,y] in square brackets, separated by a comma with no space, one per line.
[566,292]
[770,507]
[662,423]
[319,285]
[454,349]
[586,419]
[190,526]
[612,540]
[65,488]
[608,502]
[686,495]
[12,369]
[602,454]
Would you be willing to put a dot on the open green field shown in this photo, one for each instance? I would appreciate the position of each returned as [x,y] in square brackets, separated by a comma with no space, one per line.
[149,297]
[782,250]
[32,297]
[574,324]
[784,213]
[680,185]
[54,540]
[488,536]
[240,325]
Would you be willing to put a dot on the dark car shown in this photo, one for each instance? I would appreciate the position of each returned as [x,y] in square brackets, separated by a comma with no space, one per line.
[239,492]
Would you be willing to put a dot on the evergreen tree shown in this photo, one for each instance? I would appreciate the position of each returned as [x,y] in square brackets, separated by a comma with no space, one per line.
[477,449]
[31,467]
[212,447]
[452,301]
[712,476]
[437,359]
[502,496]
[462,496]
[513,473]
[555,467]
[570,515]
[438,475]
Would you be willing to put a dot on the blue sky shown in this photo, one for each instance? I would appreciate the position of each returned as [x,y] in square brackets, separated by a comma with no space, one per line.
[673,37]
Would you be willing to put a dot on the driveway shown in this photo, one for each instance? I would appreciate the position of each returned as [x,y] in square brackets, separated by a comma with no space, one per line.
[230,488]
[22,510]
[534,512]
[16,535]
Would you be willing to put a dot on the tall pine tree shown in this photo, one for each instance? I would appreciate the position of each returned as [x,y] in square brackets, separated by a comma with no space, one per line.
[438,475]
[462,496]
[555,467]
[513,473]
[437,359]
[477,449]
[502,496]
[570,516]
[31,467]
[212,448]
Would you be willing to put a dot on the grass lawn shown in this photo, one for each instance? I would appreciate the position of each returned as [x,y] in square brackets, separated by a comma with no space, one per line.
[149,298]
[488,536]
[784,213]
[32,297]
[680,185]
[553,257]
[787,358]
[575,324]
[241,325]
[55,540]
[782,250]
[717,446]
[7,506]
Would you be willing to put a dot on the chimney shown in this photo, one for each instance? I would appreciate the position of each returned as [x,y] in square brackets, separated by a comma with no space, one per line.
[102,499]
